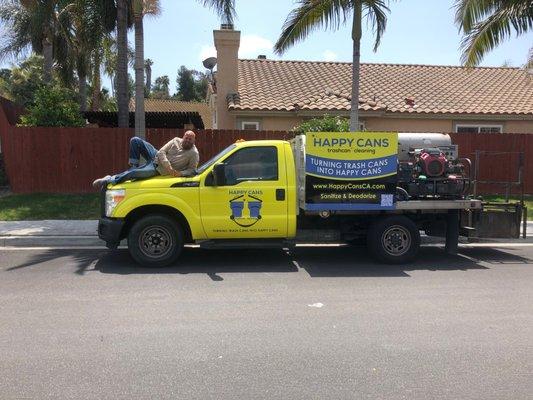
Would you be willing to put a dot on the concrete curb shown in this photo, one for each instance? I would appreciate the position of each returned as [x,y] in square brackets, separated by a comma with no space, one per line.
[94,241]
[49,228]
[52,241]
[74,234]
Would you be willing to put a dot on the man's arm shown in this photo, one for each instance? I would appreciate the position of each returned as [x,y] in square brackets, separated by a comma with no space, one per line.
[191,167]
[162,159]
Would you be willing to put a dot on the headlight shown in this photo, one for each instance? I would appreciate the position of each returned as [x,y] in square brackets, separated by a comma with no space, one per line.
[112,199]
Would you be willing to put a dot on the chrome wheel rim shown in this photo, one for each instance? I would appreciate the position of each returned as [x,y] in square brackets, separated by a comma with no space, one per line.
[396,240]
[155,241]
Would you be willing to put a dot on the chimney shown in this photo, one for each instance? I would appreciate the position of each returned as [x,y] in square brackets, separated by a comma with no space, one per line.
[227,43]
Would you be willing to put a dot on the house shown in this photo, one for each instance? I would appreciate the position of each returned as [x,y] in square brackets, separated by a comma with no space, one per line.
[278,95]
[160,114]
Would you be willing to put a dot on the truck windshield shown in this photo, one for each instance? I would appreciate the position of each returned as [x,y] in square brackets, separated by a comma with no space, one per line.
[207,164]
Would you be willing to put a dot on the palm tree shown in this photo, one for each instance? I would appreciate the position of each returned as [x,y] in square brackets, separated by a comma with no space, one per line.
[224,8]
[161,88]
[140,9]
[313,14]
[122,63]
[85,24]
[32,24]
[109,49]
[106,13]
[148,67]
[65,31]
[485,24]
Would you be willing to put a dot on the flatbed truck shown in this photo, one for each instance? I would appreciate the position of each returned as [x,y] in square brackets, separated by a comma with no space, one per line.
[253,195]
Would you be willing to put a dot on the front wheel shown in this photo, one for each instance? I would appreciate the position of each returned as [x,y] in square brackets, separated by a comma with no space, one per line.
[155,241]
[394,240]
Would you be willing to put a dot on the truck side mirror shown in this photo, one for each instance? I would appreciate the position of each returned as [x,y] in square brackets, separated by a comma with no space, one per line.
[219,174]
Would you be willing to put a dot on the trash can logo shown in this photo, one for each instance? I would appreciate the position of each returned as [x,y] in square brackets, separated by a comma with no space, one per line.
[250,216]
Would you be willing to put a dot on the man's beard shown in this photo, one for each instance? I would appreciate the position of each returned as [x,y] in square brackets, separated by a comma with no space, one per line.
[187,146]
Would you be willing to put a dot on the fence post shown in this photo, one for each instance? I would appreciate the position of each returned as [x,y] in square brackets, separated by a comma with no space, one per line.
[476,171]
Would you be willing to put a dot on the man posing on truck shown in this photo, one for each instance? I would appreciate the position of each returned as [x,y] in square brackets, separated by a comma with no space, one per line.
[179,157]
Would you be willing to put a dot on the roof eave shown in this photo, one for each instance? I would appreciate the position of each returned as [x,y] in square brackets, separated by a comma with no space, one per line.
[382,113]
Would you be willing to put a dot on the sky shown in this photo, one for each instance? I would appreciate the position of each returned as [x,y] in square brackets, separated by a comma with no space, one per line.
[418,32]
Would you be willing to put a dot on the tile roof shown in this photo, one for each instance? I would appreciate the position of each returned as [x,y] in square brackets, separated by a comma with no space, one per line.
[270,85]
[165,106]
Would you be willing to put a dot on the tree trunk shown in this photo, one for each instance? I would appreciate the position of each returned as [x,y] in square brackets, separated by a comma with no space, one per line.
[148,79]
[97,82]
[139,77]
[112,79]
[48,55]
[356,65]
[122,64]
[82,76]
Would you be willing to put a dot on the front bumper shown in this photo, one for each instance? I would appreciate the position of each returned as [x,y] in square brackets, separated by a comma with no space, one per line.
[109,230]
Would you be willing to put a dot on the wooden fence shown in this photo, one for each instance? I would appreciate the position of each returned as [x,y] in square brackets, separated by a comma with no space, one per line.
[499,158]
[67,160]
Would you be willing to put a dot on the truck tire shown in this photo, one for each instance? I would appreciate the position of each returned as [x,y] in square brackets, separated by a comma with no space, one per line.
[155,241]
[394,240]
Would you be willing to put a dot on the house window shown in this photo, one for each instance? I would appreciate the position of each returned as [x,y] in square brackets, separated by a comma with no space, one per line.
[250,125]
[475,128]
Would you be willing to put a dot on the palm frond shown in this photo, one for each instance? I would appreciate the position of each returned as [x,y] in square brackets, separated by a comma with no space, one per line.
[108,12]
[151,7]
[485,35]
[469,12]
[224,9]
[376,14]
[17,37]
[309,16]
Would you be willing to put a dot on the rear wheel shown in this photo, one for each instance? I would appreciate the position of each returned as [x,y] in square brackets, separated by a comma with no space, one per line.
[394,240]
[155,241]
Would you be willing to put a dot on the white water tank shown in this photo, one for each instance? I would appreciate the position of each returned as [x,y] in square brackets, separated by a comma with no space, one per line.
[410,141]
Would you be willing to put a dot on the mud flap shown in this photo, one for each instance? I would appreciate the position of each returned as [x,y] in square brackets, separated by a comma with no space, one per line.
[452,232]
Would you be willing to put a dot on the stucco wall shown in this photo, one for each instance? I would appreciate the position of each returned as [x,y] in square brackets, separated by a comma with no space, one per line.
[281,123]
[442,125]
[519,126]
[408,125]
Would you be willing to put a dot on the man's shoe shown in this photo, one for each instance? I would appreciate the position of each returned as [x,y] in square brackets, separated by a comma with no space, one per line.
[98,183]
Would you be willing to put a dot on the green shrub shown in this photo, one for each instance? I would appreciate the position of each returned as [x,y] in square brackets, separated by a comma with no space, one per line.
[327,123]
[53,106]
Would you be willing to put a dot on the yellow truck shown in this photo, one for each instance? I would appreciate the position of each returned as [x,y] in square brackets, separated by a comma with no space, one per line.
[378,188]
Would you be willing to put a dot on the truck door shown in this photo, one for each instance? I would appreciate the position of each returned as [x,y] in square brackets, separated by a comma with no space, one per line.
[253,201]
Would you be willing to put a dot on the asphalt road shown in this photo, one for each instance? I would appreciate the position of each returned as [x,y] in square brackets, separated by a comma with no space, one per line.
[323,323]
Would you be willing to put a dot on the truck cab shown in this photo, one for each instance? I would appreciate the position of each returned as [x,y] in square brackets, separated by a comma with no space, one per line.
[247,192]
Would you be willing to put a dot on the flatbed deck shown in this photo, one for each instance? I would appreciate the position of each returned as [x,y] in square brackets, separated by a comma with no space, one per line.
[439,205]
[415,205]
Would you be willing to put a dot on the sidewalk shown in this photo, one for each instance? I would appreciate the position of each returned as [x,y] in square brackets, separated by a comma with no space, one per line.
[62,233]
[72,233]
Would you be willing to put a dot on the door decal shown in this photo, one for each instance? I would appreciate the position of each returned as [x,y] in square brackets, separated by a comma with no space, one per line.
[245,210]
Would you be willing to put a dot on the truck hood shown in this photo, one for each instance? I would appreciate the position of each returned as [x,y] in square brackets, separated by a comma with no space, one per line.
[158,182]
